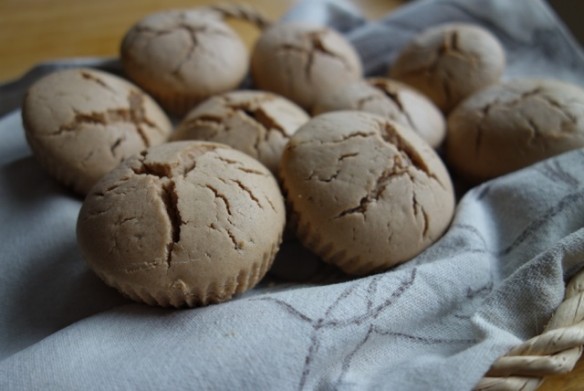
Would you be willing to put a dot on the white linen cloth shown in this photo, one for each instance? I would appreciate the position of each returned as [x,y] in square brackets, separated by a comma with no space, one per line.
[435,323]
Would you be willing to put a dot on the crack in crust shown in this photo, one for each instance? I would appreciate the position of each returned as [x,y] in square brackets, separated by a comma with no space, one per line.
[390,135]
[402,164]
[337,172]
[479,138]
[373,195]
[258,114]
[182,23]
[251,110]
[222,197]
[390,94]
[113,147]
[497,103]
[315,40]
[168,192]
[239,166]
[450,47]
[134,114]
[137,115]
[237,245]
[169,198]
[535,131]
[326,180]
[370,197]
[360,104]
[95,79]
[248,191]
[163,175]
[154,169]
[182,294]
[162,170]
[559,108]
[337,141]
[203,119]
[112,187]
[394,97]
[192,32]
[85,160]
[419,209]
[141,267]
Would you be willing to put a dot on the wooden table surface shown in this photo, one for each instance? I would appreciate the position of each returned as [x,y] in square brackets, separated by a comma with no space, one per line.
[32,31]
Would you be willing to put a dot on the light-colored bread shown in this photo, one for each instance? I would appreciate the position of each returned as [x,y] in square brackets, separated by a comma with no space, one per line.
[512,125]
[183,224]
[367,192]
[450,62]
[255,122]
[81,123]
[299,61]
[182,57]
[392,100]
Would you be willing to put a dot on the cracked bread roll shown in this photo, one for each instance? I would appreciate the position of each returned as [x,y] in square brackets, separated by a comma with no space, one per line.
[392,100]
[514,124]
[450,62]
[367,192]
[255,122]
[182,57]
[81,123]
[183,224]
[299,61]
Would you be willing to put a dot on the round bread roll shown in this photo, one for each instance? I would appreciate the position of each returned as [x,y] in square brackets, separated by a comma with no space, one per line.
[81,123]
[183,224]
[392,100]
[255,122]
[367,192]
[512,125]
[450,62]
[299,61]
[182,57]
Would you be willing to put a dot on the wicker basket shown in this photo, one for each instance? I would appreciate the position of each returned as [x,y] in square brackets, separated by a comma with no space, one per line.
[555,351]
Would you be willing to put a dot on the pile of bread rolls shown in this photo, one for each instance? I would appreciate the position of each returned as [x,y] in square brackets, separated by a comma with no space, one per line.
[193,213]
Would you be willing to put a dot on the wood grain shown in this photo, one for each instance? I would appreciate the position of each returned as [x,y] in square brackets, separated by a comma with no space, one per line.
[33,31]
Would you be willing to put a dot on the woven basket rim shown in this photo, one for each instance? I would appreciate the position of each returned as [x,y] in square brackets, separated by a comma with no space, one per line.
[555,351]
[240,11]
